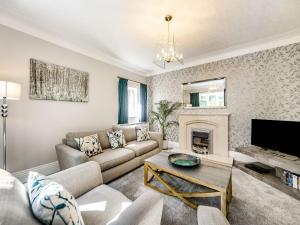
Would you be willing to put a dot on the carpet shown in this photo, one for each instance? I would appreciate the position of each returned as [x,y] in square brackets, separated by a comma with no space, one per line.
[253,202]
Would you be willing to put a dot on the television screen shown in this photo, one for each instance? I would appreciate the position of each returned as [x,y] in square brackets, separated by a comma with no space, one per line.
[282,136]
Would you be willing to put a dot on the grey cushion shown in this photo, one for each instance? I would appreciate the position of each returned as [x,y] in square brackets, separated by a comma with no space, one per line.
[210,216]
[101,205]
[128,131]
[102,136]
[111,158]
[14,202]
[142,147]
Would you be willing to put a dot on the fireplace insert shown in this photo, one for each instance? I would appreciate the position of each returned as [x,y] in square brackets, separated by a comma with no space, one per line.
[202,141]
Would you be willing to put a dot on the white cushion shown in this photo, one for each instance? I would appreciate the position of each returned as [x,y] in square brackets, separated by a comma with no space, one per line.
[142,134]
[14,202]
[89,145]
[116,139]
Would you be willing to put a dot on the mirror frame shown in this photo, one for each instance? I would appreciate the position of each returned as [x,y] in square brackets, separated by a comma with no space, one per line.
[214,107]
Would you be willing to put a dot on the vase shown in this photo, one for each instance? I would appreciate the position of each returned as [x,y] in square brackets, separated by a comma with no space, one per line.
[165,144]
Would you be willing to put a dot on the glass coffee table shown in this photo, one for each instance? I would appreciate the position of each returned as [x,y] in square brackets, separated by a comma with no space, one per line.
[215,177]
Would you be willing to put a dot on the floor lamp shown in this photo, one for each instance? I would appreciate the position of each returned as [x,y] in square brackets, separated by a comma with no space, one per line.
[8,91]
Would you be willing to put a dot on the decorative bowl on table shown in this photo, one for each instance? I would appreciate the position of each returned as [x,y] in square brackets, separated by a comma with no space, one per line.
[184,160]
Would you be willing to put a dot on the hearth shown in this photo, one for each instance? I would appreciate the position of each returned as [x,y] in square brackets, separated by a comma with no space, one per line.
[202,141]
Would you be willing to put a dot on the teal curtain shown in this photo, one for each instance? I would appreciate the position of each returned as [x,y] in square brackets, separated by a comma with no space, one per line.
[143,97]
[123,101]
[194,99]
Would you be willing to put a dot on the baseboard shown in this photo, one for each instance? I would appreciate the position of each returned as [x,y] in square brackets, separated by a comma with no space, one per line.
[45,169]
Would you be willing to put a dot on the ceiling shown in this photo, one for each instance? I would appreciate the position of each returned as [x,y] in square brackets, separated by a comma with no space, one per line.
[126,33]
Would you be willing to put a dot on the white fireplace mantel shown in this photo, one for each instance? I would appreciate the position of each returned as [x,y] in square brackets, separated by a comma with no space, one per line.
[217,122]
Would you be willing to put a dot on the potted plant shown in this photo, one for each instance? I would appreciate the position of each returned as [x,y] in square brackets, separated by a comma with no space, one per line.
[164,110]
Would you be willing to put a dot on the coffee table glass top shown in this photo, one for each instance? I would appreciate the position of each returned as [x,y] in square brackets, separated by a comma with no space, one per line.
[207,172]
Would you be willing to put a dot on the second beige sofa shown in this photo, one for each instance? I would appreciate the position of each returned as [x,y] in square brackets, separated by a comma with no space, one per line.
[113,163]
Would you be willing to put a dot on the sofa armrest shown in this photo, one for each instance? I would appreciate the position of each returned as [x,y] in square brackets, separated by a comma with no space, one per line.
[157,136]
[207,215]
[69,157]
[146,210]
[79,179]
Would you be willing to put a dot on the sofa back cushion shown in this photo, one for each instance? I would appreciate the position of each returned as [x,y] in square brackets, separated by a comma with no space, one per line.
[102,137]
[128,131]
[14,202]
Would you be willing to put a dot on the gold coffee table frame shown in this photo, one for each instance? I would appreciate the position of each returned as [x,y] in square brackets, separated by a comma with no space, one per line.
[155,170]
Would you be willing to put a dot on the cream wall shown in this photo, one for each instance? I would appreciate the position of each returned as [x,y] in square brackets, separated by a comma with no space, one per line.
[35,126]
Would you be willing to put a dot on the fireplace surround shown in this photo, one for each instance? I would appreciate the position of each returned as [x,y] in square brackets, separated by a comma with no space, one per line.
[215,125]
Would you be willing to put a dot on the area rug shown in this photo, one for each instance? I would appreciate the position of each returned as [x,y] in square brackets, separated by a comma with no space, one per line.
[253,202]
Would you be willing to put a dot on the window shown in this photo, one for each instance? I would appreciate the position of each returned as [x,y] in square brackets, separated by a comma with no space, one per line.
[134,105]
[133,102]
[132,97]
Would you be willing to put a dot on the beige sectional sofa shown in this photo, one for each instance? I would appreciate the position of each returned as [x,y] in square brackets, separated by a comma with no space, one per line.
[113,163]
[99,204]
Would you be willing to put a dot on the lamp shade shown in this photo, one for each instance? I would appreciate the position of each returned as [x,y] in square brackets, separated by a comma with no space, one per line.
[10,90]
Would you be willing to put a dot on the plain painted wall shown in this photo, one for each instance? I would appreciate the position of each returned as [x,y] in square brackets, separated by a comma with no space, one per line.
[34,127]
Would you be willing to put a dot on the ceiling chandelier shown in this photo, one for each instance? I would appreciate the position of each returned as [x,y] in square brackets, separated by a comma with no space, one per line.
[168,53]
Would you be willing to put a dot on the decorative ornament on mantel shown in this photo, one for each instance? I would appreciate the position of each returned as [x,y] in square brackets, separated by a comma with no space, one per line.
[168,53]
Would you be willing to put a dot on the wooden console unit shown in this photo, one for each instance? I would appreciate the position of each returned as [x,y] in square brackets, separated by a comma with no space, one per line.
[273,160]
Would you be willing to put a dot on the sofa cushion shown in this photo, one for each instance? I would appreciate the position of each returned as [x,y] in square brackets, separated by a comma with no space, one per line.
[111,158]
[102,205]
[116,139]
[14,202]
[128,131]
[142,134]
[89,145]
[102,137]
[142,147]
[51,203]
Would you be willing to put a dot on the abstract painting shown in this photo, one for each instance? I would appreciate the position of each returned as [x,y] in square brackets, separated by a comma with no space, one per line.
[59,83]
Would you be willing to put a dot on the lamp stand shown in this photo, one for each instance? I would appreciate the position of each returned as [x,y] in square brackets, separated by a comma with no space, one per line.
[4,110]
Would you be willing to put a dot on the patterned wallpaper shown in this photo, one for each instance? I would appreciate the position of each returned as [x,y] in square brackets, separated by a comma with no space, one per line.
[263,84]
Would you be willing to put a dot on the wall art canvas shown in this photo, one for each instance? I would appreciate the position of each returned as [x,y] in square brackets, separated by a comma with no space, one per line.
[59,83]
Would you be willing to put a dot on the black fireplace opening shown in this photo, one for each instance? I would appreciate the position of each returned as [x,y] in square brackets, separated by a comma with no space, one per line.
[201,141]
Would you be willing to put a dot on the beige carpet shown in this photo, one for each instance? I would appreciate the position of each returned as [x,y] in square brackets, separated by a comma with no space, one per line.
[253,203]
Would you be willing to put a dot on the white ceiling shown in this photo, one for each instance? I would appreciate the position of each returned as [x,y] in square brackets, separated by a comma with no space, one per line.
[126,32]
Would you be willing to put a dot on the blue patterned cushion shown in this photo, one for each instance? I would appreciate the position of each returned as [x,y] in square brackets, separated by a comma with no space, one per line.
[51,203]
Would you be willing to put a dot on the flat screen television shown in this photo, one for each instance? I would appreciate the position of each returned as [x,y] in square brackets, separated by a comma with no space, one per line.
[282,136]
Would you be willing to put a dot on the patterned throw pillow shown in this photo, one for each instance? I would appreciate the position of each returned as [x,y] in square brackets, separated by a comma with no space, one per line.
[116,139]
[89,145]
[142,134]
[51,203]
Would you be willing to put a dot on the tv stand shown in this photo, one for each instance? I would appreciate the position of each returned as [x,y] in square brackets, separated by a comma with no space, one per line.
[272,158]
[277,161]
[282,155]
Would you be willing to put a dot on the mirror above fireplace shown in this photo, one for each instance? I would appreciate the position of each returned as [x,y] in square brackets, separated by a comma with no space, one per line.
[204,94]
